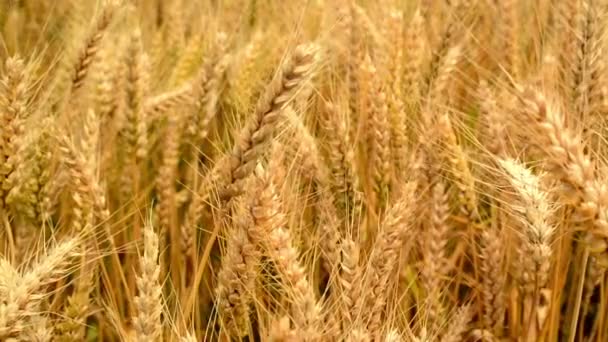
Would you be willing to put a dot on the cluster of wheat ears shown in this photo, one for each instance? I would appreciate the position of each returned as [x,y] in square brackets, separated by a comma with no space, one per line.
[306,170]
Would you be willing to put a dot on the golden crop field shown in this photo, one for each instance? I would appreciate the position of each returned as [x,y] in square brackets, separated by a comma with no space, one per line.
[303,170]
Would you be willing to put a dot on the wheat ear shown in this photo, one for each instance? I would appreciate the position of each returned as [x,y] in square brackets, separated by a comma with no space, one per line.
[253,138]
[148,302]
[13,89]
[237,276]
[383,259]
[23,293]
[268,215]
[91,47]
[569,164]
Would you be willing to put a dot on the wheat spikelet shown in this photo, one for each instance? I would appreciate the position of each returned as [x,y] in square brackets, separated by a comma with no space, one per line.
[135,130]
[458,326]
[308,153]
[384,258]
[572,167]
[413,54]
[13,88]
[188,61]
[458,160]
[567,28]
[83,181]
[394,31]
[166,187]
[160,104]
[434,251]
[394,96]
[173,24]
[239,271]
[23,291]
[106,79]
[328,226]
[496,132]
[91,47]
[535,253]
[76,310]
[349,278]
[246,75]
[268,215]
[396,105]
[148,300]
[280,331]
[30,197]
[39,329]
[589,73]
[236,280]
[441,51]
[379,136]
[437,89]
[209,88]
[252,139]
[355,56]
[340,157]
[80,160]
[327,220]
[192,218]
[569,163]
[494,280]
[535,211]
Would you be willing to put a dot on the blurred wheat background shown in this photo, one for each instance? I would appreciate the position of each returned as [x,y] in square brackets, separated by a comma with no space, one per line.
[320,170]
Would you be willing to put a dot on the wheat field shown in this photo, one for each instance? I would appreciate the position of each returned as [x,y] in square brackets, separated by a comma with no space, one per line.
[303,170]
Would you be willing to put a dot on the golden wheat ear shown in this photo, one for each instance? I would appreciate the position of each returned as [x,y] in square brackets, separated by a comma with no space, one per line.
[238,274]
[91,46]
[371,306]
[267,212]
[149,301]
[26,291]
[569,163]
[435,254]
[255,136]
[13,92]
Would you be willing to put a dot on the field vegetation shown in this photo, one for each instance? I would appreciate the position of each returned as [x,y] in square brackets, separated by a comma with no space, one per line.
[303,170]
